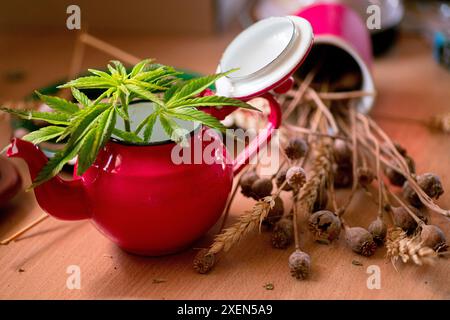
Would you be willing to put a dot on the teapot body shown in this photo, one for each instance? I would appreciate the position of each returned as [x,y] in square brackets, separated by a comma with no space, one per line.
[149,204]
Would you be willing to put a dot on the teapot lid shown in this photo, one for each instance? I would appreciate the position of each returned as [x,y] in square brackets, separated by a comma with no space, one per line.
[265,54]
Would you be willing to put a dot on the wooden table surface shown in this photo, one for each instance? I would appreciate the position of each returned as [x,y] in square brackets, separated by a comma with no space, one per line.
[410,86]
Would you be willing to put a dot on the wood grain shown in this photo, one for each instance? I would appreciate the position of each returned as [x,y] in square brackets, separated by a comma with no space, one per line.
[410,85]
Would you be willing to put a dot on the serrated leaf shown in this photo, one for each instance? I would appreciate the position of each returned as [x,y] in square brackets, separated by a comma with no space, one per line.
[212,101]
[171,91]
[89,82]
[101,74]
[149,86]
[144,93]
[120,67]
[86,155]
[50,117]
[149,126]
[82,123]
[43,134]
[168,125]
[95,139]
[81,97]
[127,136]
[198,116]
[193,87]
[58,104]
[138,68]
[55,164]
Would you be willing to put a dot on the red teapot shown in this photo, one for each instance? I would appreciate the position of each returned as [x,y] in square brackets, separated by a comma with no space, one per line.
[143,201]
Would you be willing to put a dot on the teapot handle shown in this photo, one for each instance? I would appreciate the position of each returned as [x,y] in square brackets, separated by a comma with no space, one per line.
[263,137]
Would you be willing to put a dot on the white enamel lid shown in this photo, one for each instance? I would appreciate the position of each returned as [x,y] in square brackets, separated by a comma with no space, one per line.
[265,53]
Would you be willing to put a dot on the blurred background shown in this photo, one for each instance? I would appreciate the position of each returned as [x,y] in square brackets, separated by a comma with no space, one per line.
[36,46]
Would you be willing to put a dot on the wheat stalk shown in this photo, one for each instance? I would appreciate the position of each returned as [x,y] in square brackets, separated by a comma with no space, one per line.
[247,222]
[408,248]
[320,169]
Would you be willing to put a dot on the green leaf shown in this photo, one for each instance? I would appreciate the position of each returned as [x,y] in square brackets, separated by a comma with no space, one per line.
[144,94]
[58,104]
[43,134]
[127,136]
[101,74]
[87,154]
[168,125]
[149,86]
[138,68]
[149,126]
[81,97]
[95,139]
[120,67]
[197,115]
[89,82]
[55,164]
[212,101]
[171,91]
[50,117]
[80,125]
[195,86]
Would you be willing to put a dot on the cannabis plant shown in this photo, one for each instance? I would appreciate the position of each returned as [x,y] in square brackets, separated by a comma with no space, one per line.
[88,124]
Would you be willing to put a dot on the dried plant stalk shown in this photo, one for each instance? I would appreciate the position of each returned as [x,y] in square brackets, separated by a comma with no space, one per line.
[411,248]
[247,222]
[320,170]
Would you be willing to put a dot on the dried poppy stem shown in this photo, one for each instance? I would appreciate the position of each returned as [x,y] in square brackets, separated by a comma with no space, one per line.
[319,103]
[295,222]
[24,229]
[345,95]
[406,207]
[310,132]
[377,162]
[298,95]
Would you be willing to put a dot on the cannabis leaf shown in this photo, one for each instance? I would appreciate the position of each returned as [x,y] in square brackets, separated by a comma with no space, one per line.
[89,124]
[43,134]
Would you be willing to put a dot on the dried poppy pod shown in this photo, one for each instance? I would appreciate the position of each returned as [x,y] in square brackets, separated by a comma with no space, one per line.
[246,183]
[275,213]
[433,237]
[204,261]
[261,188]
[342,153]
[396,178]
[365,176]
[296,177]
[378,229]
[296,149]
[360,241]
[403,219]
[325,226]
[343,176]
[300,264]
[428,182]
[283,233]
[281,177]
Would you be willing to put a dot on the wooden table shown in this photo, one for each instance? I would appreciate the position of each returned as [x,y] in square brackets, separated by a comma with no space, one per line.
[411,86]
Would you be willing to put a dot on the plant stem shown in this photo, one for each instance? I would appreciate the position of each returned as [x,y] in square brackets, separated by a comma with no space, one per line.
[24,229]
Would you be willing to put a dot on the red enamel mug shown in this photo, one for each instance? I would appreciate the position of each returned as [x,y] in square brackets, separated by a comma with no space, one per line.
[137,195]
[342,40]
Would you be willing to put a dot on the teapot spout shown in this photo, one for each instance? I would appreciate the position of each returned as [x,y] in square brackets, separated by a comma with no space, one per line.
[62,199]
